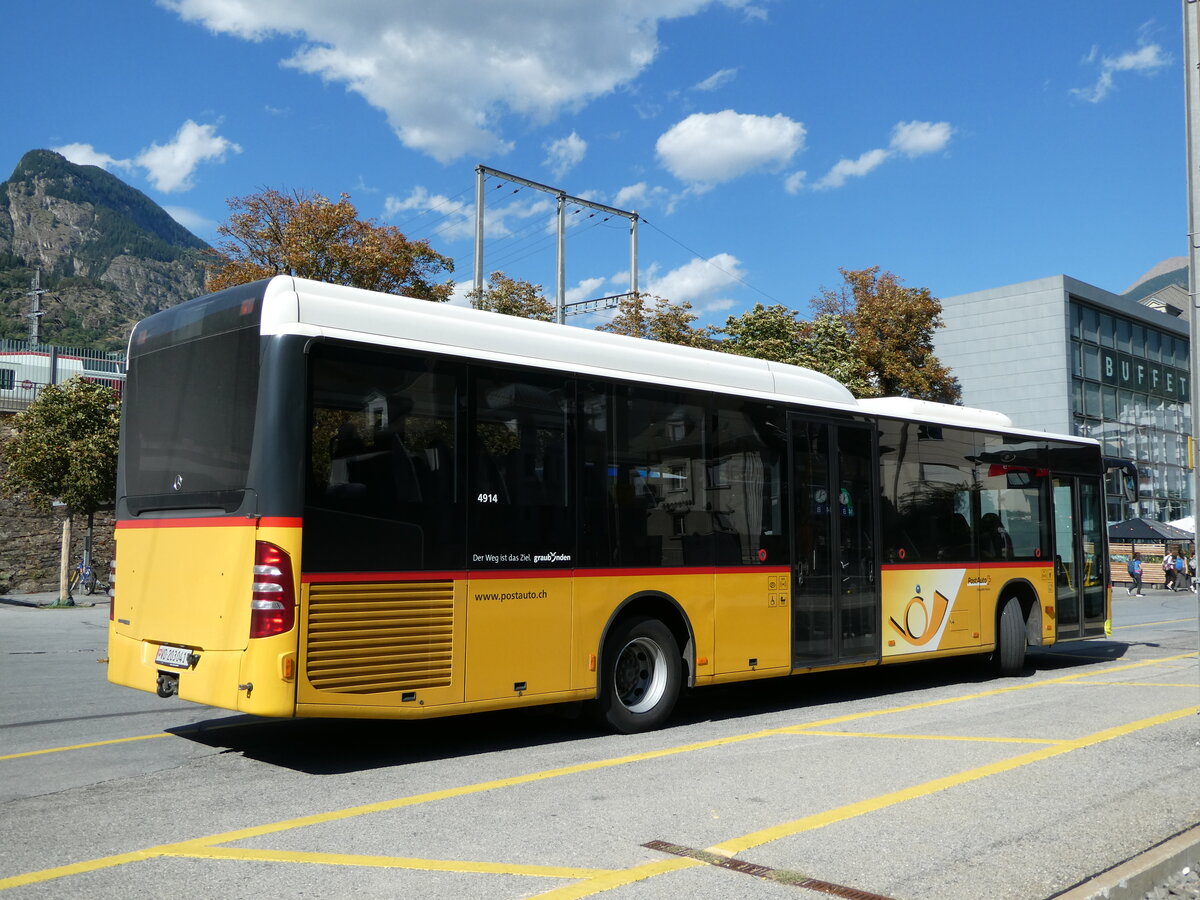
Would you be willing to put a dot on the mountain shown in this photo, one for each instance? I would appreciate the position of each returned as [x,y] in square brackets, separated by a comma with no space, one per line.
[1173,271]
[108,254]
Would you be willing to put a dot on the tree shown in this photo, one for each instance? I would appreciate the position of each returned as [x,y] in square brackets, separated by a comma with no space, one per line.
[766,332]
[513,298]
[310,236]
[65,449]
[890,330]
[664,321]
[827,347]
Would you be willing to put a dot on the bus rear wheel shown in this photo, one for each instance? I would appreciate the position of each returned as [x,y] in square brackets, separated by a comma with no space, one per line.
[640,677]
[1010,639]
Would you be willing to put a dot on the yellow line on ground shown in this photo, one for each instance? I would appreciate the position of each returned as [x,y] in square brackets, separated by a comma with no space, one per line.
[735,846]
[1166,684]
[383,862]
[1148,624]
[192,846]
[820,820]
[125,740]
[932,737]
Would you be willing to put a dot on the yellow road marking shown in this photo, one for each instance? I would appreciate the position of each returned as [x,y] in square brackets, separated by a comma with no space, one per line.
[934,737]
[124,740]
[1165,684]
[191,851]
[736,846]
[820,820]
[1148,624]
[204,844]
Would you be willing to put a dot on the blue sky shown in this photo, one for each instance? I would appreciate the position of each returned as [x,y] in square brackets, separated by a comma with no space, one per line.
[765,143]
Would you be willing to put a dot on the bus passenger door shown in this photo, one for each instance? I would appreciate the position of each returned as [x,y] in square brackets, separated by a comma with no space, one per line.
[835,599]
[1080,577]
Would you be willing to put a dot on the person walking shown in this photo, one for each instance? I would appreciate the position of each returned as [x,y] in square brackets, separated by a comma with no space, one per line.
[1135,575]
[1168,566]
[1181,581]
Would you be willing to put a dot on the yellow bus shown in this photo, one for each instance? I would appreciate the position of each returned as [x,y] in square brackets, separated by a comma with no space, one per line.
[333,502]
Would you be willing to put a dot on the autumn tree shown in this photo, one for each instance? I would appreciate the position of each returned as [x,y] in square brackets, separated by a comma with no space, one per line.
[890,333]
[311,236]
[657,319]
[65,449]
[513,298]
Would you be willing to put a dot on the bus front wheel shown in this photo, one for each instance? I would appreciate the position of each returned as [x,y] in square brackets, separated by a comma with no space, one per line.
[1010,639]
[640,677]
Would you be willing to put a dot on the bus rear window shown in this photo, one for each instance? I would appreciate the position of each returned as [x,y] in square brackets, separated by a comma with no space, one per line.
[190,411]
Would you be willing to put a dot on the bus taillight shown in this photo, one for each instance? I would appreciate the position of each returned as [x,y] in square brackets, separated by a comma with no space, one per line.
[273,600]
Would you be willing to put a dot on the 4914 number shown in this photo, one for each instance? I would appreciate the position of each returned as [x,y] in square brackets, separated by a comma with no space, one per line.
[488,498]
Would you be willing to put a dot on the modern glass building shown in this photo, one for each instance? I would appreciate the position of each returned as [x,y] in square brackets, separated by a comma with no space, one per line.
[1060,355]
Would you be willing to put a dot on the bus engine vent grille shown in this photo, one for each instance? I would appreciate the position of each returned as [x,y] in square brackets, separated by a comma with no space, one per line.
[374,638]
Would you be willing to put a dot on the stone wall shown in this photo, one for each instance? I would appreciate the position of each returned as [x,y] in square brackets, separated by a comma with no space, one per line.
[30,541]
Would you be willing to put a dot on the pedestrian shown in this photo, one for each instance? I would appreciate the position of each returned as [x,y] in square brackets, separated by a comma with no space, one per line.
[1180,573]
[1168,567]
[1135,575]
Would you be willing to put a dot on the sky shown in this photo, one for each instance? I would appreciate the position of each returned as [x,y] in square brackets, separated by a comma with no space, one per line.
[764,144]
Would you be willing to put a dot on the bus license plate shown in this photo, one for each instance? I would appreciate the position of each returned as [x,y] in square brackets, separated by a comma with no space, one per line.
[178,657]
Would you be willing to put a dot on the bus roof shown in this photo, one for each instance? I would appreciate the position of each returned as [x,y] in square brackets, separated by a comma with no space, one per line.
[300,306]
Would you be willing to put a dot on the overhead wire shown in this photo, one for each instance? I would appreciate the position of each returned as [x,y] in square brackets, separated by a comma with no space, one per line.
[709,262]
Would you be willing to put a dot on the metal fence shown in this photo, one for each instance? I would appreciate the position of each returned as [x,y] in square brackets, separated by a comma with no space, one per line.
[26,368]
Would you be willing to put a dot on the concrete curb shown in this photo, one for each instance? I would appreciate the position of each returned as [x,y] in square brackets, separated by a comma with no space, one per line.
[1136,877]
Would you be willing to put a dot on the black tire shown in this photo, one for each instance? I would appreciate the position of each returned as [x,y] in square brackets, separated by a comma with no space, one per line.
[89,584]
[1010,639]
[640,676]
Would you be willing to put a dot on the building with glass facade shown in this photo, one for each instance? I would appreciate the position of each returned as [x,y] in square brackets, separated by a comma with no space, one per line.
[1060,355]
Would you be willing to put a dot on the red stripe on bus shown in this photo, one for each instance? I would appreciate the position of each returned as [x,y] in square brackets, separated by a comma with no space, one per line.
[215,522]
[911,567]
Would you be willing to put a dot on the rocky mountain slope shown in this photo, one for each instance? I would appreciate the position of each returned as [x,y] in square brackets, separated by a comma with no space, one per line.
[108,254]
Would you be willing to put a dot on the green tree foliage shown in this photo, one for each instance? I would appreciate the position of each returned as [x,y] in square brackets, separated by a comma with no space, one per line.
[766,332]
[658,319]
[873,335]
[513,298]
[890,330]
[310,236]
[65,447]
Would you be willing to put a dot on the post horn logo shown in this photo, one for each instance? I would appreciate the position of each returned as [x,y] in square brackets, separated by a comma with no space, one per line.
[921,623]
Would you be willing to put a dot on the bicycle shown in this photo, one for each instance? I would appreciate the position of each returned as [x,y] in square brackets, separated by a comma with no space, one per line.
[83,576]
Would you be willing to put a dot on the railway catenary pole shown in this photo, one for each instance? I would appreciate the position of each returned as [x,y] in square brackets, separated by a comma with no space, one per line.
[562,201]
[1191,57]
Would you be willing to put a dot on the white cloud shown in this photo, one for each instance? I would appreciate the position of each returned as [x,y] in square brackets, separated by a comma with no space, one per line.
[794,183]
[716,80]
[1147,59]
[565,154]
[845,169]
[588,289]
[919,138]
[699,281]
[450,218]
[639,196]
[87,155]
[911,139]
[446,78]
[709,148]
[170,166]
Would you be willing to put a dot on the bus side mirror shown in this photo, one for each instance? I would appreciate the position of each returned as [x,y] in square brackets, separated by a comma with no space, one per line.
[1122,478]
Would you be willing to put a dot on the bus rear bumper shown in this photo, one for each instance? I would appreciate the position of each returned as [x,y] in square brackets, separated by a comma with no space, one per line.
[214,678]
